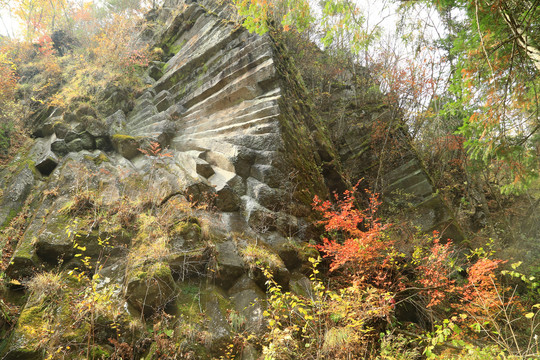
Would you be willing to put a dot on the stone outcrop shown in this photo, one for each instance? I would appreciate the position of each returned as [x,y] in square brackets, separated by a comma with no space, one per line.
[373,144]
[210,171]
[395,172]
[219,154]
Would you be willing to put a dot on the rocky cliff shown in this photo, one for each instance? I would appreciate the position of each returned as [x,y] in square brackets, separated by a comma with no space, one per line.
[162,209]
[170,204]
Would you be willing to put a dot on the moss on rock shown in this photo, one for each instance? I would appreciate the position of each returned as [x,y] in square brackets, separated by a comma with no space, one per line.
[126,145]
[151,287]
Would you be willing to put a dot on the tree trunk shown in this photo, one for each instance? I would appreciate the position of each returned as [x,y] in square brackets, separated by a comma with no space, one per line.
[522,38]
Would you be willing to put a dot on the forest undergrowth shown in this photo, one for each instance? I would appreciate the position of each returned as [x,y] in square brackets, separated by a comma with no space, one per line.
[437,300]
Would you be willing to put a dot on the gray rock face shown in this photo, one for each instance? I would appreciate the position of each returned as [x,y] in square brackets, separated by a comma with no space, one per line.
[428,210]
[230,264]
[151,287]
[249,302]
[96,128]
[61,129]
[127,146]
[216,103]
[51,242]
[51,248]
[103,143]
[47,164]
[59,147]
[216,107]
[16,193]
[203,168]
[45,160]
[115,122]
[21,267]
[224,183]
[76,145]
[300,285]
[224,128]
[216,304]
[401,178]
[24,260]
[411,179]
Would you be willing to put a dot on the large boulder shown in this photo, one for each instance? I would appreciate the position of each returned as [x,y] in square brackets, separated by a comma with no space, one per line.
[249,302]
[150,287]
[18,189]
[127,146]
[230,265]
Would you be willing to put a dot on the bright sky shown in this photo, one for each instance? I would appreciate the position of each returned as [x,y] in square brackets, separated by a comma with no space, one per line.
[375,11]
[7,24]
[383,13]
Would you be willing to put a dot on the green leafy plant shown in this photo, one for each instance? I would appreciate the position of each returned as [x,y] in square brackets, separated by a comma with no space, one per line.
[327,323]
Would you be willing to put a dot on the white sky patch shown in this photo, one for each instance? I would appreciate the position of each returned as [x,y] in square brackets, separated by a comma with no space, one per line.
[8,25]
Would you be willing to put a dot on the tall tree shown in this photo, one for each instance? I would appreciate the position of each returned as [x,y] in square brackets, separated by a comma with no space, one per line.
[40,17]
[340,22]
[495,47]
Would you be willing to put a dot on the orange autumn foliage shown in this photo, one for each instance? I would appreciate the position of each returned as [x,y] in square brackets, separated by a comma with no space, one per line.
[434,272]
[361,253]
[482,294]
[364,253]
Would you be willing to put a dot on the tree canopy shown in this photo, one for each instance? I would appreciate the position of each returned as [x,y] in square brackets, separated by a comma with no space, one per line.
[492,53]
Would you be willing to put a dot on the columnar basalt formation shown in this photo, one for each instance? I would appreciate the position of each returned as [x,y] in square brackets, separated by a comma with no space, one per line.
[209,173]
[395,171]
[372,142]
[240,157]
